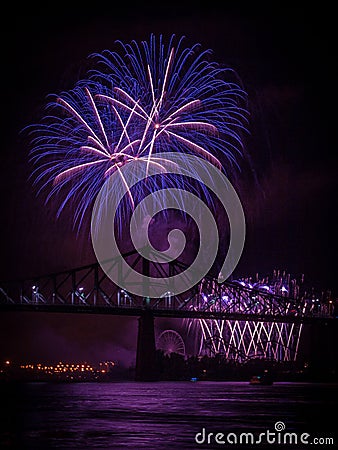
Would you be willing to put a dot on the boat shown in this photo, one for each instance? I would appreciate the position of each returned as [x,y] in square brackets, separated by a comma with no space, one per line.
[264,379]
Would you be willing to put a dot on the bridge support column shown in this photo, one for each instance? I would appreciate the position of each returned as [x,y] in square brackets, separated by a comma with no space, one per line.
[146,350]
[323,350]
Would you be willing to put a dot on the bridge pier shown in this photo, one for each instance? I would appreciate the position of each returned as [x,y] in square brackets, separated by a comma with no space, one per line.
[146,350]
[323,355]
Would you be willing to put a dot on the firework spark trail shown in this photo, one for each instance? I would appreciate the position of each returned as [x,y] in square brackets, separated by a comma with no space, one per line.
[244,340]
[137,101]
[194,92]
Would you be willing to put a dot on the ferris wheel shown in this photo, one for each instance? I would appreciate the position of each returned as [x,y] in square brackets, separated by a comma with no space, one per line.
[171,342]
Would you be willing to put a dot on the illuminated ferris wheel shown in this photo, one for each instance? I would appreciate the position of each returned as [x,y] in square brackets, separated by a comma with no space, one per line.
[169,341]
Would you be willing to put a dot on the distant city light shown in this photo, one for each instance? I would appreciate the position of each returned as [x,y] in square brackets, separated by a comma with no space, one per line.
[66,371]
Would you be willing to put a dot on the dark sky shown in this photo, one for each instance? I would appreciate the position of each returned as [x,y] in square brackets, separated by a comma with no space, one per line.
[285,60]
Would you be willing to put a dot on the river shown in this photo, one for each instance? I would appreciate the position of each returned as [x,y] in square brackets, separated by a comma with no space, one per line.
[162,415]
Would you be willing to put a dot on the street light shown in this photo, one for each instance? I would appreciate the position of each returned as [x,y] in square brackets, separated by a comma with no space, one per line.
[35,293]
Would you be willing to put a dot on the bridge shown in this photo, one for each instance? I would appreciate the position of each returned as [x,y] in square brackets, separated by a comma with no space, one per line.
[254,320]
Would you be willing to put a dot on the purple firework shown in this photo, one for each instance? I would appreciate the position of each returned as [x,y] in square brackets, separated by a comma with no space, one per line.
[137,101]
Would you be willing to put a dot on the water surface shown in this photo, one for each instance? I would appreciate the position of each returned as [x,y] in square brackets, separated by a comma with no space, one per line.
[158,415]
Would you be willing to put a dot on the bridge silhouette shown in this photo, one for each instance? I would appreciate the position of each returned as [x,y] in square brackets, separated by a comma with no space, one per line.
[89,290]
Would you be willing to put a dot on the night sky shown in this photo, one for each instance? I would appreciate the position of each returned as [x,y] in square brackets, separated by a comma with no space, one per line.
[284,59]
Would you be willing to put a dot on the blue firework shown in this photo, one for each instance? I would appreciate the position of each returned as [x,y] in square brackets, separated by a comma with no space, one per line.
[137,101]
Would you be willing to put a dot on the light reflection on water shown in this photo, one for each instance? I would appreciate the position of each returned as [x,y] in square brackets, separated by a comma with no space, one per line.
[159,415]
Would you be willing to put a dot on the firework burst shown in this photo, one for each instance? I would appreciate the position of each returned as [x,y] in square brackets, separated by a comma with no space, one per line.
[136,102]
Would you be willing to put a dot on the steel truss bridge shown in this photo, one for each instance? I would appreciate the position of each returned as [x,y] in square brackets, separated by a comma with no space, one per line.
[88,290]
[230,319]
